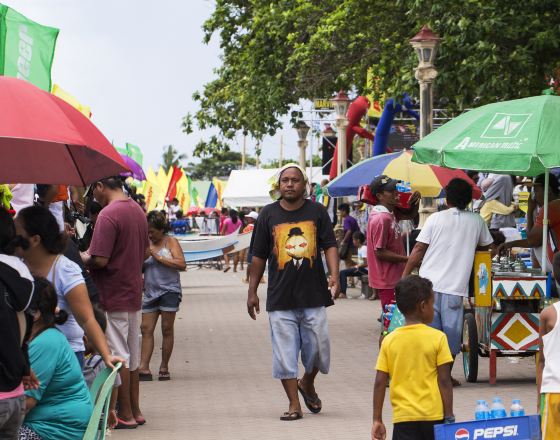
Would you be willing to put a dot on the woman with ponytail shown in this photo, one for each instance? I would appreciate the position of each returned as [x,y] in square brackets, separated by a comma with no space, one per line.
[41,247]
[61,407]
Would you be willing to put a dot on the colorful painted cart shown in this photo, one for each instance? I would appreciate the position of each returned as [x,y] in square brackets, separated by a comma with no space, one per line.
[503,320]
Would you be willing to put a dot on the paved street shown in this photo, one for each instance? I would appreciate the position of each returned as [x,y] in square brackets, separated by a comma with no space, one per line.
[222,387]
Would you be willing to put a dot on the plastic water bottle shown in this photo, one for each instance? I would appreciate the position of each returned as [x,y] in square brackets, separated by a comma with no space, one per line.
[482,412]
[517,409]
[498,410]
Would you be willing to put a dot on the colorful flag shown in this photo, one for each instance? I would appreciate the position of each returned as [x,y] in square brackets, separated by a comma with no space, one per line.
[135,153]
[176,175]
[26,48]
[212,197]
[64,95]
[220,185]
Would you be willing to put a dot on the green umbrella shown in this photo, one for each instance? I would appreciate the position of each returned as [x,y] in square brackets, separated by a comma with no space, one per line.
[520,137]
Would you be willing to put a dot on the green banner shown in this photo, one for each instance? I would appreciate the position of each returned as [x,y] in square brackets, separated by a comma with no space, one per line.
[26,48]
[135,153]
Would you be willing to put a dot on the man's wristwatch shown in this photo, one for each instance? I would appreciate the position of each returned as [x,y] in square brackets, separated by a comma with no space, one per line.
[448,420]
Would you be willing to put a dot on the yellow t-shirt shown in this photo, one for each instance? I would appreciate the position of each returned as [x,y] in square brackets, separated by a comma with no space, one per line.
[411,355]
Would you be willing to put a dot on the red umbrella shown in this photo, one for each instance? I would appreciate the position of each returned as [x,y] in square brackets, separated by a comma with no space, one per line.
[43,139]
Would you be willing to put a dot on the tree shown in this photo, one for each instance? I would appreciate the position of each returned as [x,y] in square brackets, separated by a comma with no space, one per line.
[171,157]
[275,54]
[219,165]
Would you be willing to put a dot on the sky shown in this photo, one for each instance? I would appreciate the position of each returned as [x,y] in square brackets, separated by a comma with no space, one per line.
[137,64]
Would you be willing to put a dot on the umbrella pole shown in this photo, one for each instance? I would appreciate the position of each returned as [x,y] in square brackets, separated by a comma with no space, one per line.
[407,243]
[545,222]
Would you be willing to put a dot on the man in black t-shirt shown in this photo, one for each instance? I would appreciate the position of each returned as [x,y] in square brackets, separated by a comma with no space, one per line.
[290,234]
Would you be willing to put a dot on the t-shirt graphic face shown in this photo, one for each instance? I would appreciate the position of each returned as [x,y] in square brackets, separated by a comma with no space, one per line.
[292,241]
[295,244]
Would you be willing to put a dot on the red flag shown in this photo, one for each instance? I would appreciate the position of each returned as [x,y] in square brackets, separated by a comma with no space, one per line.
[172,188]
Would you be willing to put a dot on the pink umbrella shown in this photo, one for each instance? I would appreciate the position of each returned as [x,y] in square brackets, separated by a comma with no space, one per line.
[45,140]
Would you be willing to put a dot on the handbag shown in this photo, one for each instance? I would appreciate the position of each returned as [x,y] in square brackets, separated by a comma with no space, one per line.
[344,250]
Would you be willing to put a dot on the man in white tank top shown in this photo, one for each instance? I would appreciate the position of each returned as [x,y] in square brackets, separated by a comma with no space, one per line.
[548,371]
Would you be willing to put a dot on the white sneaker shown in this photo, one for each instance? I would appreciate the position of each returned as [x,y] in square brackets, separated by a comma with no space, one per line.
[362,296]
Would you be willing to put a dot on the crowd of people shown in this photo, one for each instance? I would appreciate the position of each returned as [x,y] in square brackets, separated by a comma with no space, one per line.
[295,233]
[75,303]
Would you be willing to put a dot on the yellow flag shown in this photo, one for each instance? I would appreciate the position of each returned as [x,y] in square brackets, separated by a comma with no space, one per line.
[220,185]
[183,193]
[64,95]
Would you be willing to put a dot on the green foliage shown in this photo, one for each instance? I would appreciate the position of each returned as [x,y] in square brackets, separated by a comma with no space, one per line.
[219,164]
[275,54]
[171,157]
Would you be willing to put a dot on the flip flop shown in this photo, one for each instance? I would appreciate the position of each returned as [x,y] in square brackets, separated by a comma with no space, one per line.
[121,424]
[140,420]
[164,375]
[291,416]
[145,377]
[310,401]
[226,269]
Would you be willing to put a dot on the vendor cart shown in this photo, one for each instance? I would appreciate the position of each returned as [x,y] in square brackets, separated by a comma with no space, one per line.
[503,319]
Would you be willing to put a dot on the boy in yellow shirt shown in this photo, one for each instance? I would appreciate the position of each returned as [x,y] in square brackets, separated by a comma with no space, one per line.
[417,359]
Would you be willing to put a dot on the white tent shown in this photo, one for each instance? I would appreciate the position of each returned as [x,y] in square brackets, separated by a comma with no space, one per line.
[251,187]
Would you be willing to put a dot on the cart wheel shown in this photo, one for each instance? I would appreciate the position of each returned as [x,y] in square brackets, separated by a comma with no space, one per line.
[470,348]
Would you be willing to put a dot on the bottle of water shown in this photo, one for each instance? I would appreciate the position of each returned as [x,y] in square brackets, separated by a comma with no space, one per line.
[498,410]
[517,409]
[482,412]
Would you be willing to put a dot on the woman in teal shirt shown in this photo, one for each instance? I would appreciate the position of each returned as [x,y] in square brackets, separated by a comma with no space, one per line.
[61,407]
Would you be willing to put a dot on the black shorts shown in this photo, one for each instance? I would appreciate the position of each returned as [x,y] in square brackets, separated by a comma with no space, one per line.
[168,302]
[415,430]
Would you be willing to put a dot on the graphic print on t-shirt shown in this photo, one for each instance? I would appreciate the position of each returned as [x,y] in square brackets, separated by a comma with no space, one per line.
[295,244]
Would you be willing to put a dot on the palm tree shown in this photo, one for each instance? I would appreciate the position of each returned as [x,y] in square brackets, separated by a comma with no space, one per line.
[171,157]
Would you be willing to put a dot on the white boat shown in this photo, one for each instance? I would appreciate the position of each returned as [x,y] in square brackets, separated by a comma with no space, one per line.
[204,247]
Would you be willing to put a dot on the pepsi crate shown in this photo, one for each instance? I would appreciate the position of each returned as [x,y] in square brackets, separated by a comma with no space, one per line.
[508,428]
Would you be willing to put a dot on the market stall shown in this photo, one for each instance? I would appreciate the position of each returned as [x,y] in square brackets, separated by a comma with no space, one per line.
[503,317]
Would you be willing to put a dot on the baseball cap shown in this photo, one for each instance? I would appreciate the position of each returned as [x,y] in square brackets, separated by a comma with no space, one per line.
[383,183]
[252,215]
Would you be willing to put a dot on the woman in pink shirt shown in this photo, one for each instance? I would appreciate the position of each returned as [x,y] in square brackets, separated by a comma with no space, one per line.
[230,226]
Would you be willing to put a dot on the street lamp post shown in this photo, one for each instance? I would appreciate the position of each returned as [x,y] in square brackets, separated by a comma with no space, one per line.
[341,102]
[426,43]
[302,129]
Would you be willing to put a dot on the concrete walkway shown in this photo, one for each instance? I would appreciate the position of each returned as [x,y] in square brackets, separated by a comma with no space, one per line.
[222,387]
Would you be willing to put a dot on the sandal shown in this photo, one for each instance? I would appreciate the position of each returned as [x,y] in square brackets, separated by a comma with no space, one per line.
[164,375]
[145,377]
[121,424]
[290,416]
[140,420]
[313,404]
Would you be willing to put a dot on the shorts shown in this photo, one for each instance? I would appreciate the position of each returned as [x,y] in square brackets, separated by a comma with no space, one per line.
[550,416]
[295,331]
[123,336]
[168,302]
[12,413]
[448,317]
[415,430]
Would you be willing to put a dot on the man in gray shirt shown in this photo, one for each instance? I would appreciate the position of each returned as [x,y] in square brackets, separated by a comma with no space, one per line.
[499,187]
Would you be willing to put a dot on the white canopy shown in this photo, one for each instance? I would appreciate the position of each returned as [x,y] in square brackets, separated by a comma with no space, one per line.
[251,187]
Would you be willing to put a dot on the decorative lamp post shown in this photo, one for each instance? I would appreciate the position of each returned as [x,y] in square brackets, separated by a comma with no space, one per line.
[302,129]
[341,103]
[426,43]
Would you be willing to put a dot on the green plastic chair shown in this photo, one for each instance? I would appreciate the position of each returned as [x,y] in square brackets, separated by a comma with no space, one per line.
[100,392]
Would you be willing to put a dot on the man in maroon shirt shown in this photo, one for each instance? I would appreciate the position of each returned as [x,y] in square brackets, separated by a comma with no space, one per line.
[117,252]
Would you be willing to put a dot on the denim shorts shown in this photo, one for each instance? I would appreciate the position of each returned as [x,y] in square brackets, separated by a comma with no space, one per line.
[295,331]
[168,302]
[448,317]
